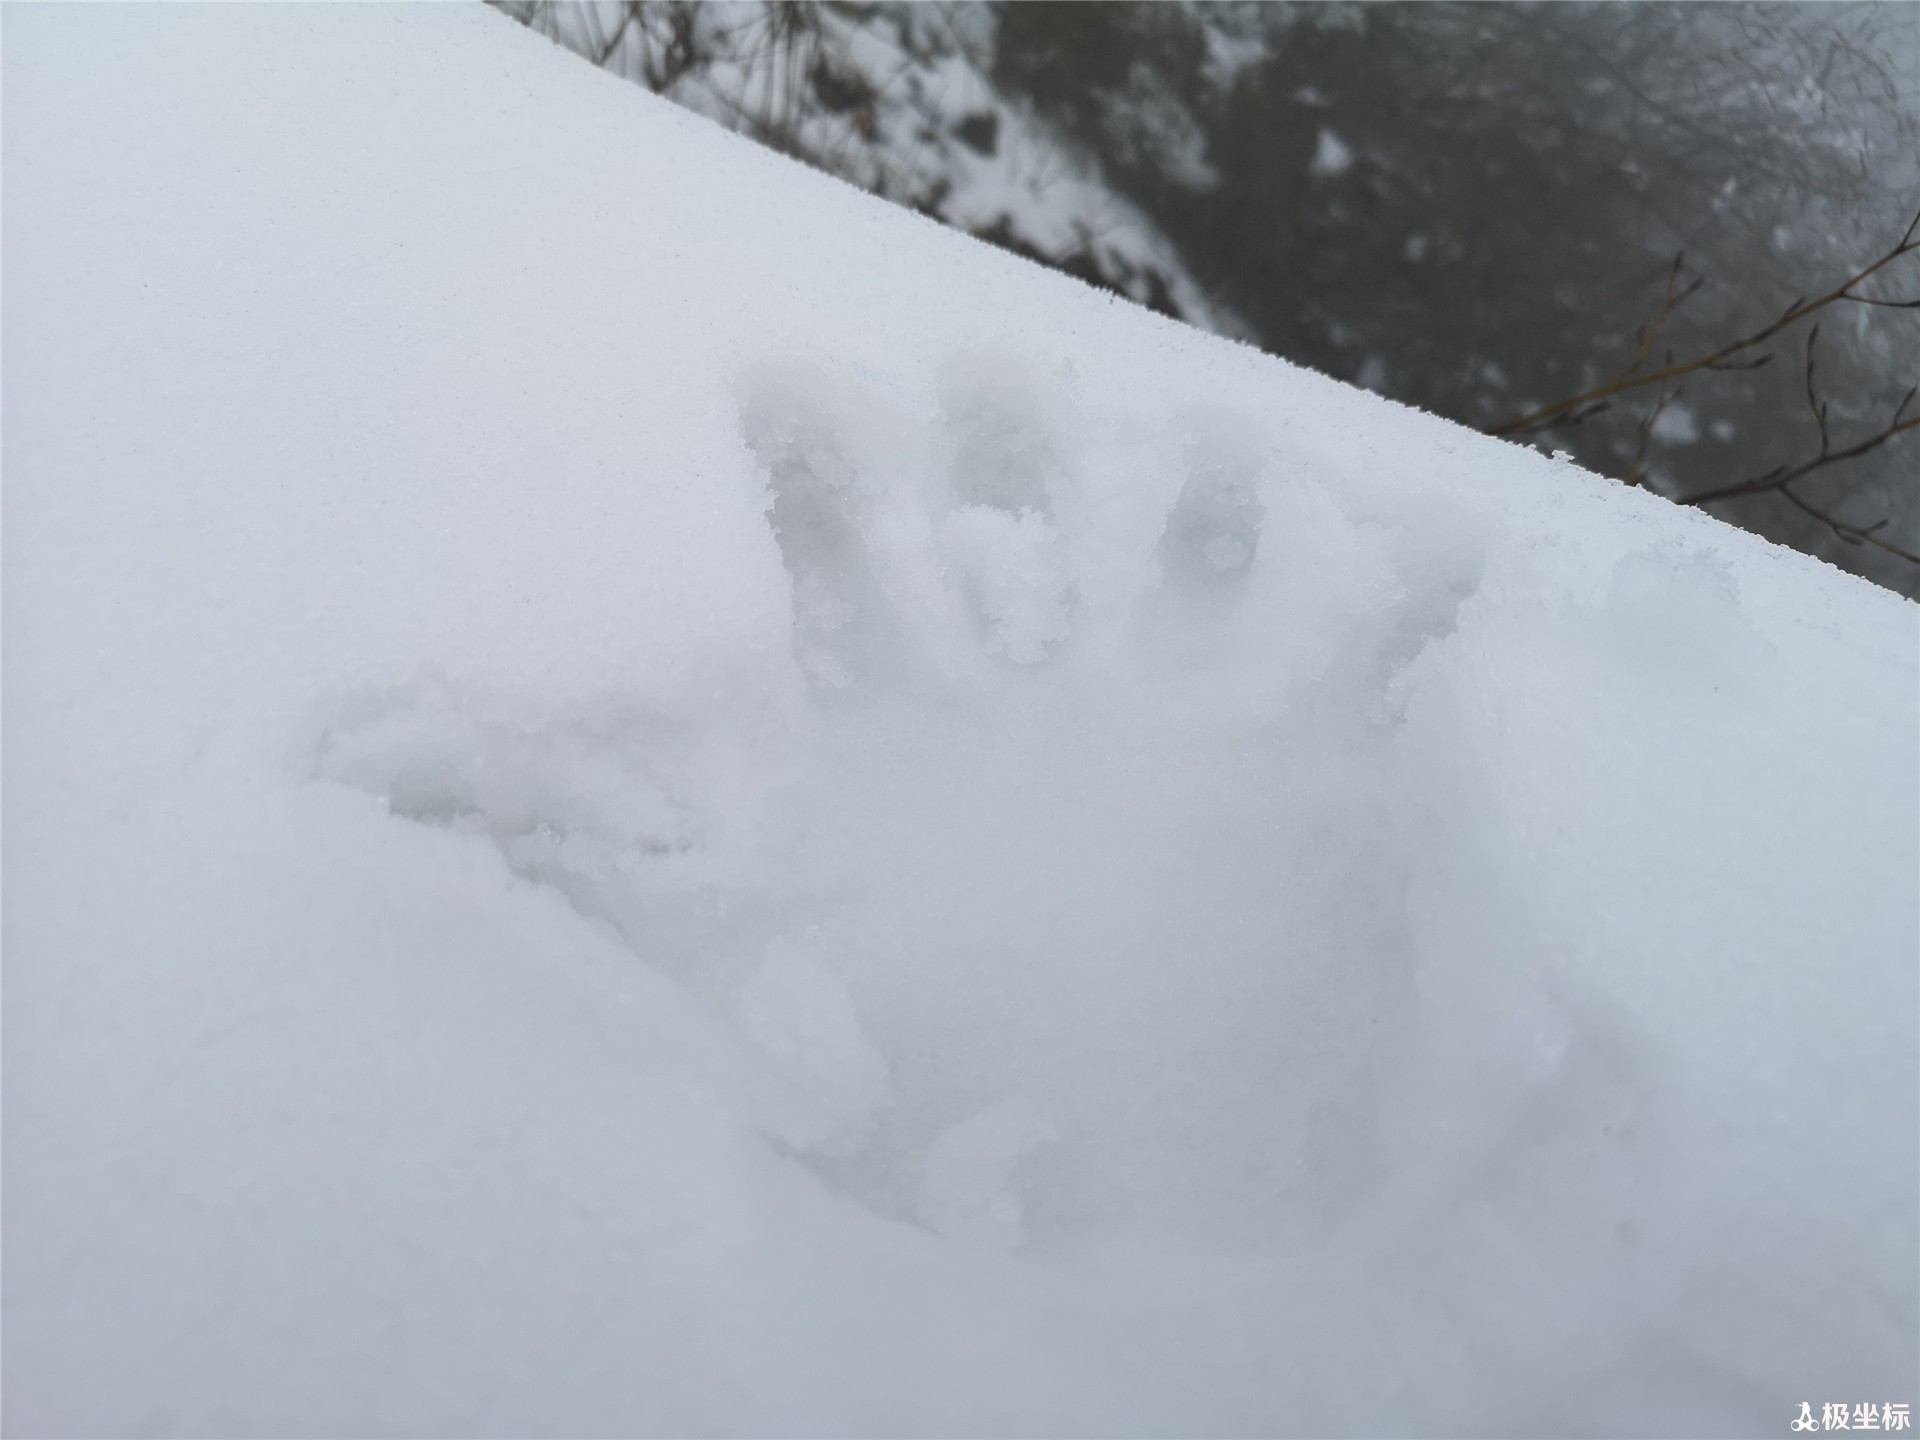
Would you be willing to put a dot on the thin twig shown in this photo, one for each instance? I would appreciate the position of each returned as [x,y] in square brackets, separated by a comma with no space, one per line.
[1852,534]
[1720,359]
[1899,423]
[612,44]
[1675,298]
[1814,402]
[1635,472]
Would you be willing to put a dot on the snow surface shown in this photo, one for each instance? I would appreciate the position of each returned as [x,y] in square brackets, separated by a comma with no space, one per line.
[644,795]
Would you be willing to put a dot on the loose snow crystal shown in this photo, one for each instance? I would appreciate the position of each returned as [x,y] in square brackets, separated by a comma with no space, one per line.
[646,796]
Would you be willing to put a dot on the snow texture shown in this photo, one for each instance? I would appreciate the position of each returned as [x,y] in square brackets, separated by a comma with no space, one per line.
[643,795]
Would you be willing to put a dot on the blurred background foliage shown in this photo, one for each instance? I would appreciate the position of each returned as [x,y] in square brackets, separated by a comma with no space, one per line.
[1479,209]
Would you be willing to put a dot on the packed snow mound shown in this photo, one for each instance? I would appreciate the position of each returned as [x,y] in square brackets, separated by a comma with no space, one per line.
[643,795]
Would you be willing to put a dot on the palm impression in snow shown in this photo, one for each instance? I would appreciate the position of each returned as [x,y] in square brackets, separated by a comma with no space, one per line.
[1058,917]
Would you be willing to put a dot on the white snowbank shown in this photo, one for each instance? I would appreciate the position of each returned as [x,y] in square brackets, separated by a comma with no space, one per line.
[1173,897]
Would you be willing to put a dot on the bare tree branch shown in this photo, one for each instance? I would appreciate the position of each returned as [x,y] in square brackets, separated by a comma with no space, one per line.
[1780,480]
[1853,535]
[1635,472]
[1730,356]
[1676,297]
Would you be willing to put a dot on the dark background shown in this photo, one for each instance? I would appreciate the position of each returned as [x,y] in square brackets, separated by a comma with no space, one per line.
[1473,208]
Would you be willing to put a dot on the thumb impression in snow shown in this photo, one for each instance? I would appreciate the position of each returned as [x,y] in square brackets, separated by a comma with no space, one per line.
[970,1188]
[799,1012]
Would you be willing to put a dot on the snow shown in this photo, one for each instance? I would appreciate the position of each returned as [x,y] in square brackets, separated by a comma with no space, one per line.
[643,795]
[935,132]
[1676,424]
[1331,155]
